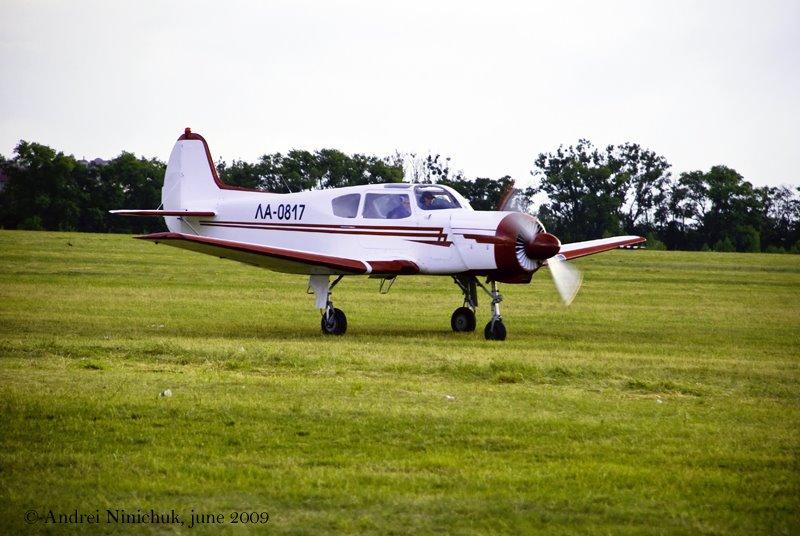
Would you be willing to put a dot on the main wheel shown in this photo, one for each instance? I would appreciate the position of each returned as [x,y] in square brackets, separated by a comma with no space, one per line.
[463,319]
[334,323]
[495,331]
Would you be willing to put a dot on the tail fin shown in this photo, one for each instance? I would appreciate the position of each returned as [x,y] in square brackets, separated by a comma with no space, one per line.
[191,181]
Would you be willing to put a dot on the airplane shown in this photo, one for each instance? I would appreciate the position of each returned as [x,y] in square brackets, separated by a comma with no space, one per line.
[378,230]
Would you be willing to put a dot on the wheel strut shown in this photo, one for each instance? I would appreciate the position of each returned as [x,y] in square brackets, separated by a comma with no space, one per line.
[495,330]
[334,321]
[463,318]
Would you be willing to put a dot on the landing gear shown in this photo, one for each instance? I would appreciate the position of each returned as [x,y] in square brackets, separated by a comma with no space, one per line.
[334,321]
[463,319]
[495,330]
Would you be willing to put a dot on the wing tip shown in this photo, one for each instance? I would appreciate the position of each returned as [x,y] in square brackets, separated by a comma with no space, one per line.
[590,247]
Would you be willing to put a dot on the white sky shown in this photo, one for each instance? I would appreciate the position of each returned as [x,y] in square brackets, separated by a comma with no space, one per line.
[491,84]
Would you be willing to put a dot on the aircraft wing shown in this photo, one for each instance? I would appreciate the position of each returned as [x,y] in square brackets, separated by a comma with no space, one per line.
[281,259]
[590,247]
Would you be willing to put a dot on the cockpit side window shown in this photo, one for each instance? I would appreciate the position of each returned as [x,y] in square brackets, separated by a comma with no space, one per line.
[434,198]
[386,206]
[346,206]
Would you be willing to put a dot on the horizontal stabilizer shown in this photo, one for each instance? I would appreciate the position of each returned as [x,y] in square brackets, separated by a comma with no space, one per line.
[161,213]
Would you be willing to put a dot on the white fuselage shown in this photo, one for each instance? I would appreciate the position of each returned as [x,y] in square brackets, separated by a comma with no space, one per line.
[439,241]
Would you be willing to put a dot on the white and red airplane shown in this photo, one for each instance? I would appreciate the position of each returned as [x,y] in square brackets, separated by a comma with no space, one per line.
[379,230]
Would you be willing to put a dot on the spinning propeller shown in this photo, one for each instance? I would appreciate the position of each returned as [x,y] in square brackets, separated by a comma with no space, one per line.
[535,247]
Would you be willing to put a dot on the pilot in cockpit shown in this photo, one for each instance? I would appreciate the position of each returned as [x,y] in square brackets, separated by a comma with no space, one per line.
[402,210]
[435,201]
[426,201]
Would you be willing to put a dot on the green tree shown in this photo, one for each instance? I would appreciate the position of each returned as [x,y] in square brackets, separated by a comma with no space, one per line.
[305,170]
[241,173]
[585,196]
[720,208]
[129,182]
[779,215]
[646,179]
[40,190]
[593,192]
[428,169]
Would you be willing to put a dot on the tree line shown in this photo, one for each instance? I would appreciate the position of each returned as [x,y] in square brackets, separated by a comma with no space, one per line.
[580,192]
[628,189]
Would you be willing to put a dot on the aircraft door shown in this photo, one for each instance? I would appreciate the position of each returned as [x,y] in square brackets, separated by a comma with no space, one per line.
[386,222]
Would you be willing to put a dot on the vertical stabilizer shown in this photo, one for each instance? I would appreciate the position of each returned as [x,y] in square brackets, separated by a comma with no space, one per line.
[190,182]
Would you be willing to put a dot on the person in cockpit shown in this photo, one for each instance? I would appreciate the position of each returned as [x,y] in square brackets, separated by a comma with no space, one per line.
[426,201]
[402,210]
[429,201]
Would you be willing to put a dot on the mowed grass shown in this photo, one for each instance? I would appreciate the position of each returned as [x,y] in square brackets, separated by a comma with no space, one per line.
[666,399]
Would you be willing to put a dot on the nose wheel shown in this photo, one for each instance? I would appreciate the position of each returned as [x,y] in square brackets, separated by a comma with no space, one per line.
[495,330]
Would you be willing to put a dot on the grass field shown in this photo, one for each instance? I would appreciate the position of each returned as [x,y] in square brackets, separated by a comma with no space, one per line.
[665,400]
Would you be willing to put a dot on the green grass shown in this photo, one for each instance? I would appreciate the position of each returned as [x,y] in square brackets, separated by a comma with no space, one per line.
[666,399]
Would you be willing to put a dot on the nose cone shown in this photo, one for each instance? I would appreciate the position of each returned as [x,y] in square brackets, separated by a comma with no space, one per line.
[543,246]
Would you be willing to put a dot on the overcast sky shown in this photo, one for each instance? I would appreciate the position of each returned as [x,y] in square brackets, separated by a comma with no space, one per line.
[491,84]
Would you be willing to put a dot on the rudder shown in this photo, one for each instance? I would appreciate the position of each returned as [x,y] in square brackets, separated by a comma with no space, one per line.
[190,182]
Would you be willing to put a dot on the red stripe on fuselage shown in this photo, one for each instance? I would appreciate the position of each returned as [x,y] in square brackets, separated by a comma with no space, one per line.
[329,226]
[436,233]
[445,243]
[485,239]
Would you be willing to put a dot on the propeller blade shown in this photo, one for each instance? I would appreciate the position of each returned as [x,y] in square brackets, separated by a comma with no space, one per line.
[566,277]
[512,200]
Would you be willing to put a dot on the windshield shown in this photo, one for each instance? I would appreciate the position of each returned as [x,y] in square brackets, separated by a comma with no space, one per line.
[431,197]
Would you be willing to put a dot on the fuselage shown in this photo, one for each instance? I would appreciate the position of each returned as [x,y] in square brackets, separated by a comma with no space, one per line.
[445,236]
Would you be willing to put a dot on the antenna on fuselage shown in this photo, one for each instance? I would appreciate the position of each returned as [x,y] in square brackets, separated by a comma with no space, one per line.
[262,177]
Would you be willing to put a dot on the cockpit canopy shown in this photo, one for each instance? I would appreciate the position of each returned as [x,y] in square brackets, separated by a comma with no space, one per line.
[396,201]
[434,197]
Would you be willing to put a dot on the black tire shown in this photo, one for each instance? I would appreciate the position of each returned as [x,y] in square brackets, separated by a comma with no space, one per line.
[463,320]
[334,324]
[495,331]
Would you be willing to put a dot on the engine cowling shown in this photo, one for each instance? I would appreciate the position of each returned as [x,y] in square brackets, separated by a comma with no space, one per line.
[521,247]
